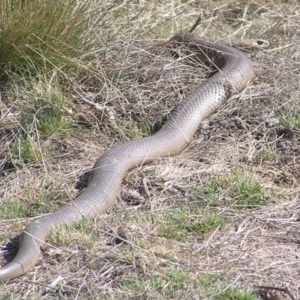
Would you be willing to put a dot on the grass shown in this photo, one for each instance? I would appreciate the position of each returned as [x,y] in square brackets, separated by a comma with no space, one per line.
[211,223]
[235,294]
[134,131]
[14,209]
[45,35]
[26,151]
[42,118]
[238,188]
[177,223]
[291,122]
[80,230]
[33,203]
[174,283]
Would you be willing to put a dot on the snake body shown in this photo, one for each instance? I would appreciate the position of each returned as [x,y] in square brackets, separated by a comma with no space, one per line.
[235,72]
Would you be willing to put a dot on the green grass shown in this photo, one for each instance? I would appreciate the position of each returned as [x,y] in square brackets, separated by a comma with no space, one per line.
[51,121]
[32,204]
[169,284]
[14,209]
[239,189]
[25,151]
[42,117]
[50,114]
[45,34]
[179,222]
[82,230]
[175,283]
[235,294]
[290,121]
[133,130]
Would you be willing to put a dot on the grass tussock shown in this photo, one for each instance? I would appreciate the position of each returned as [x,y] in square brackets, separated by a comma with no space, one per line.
[46,35]
[220,221]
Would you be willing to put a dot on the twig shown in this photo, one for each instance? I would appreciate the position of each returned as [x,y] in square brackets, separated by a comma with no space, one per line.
[197,22]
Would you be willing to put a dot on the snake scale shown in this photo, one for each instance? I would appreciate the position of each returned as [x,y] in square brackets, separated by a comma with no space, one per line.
[235,72]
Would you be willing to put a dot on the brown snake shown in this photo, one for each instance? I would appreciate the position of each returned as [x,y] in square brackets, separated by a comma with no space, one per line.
[235,72]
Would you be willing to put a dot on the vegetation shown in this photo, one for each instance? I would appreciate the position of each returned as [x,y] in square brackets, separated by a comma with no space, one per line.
[177,223]
[77,77]
[46,35]
[238,189]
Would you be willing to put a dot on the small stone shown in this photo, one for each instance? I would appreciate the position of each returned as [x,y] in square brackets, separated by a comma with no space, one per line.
[271,122]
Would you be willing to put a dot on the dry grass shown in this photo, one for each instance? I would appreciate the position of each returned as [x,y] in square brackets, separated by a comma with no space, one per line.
[218,245]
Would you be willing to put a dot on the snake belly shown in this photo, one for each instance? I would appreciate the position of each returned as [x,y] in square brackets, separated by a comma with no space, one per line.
[235,72]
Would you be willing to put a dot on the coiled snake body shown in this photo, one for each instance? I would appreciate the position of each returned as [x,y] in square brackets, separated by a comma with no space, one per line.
[235,72]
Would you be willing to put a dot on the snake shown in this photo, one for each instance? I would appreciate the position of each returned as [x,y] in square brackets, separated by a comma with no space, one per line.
[233,72]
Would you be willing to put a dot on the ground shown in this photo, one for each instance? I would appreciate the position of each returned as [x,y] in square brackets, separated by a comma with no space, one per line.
[219,221]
